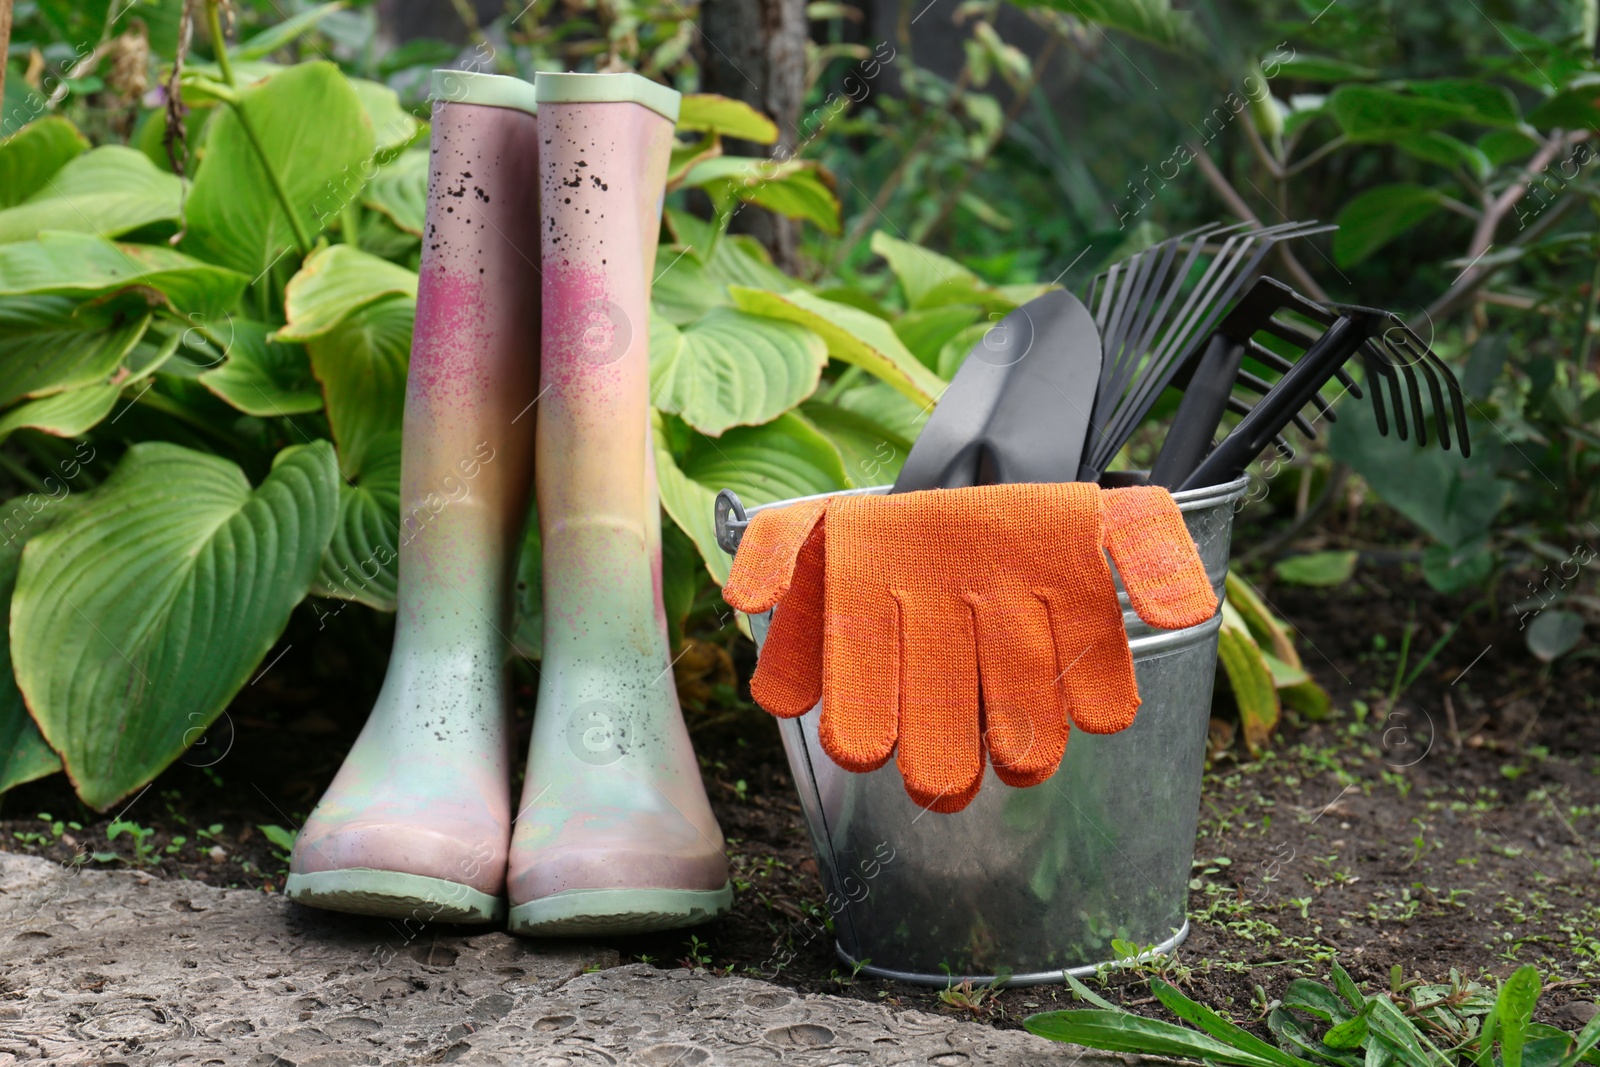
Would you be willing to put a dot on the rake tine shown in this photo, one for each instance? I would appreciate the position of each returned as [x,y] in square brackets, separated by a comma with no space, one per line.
[1296,336]
[1200,307]
[1150,291]
[1383,372]
[1420,361]
[1128,357]
[1239,407]
[1261,385]
[1419,420]
[1457,400]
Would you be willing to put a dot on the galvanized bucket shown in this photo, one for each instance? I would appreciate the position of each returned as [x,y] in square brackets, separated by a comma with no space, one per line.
[1027,884]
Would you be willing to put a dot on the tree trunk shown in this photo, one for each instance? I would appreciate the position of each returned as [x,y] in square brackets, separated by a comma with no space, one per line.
[755,51]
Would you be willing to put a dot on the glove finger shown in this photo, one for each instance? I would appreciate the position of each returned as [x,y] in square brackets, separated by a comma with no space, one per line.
[788,677]
[941,752]
[860,678]
[1158,561]
[1096,676]
[763,568]
[1024,717]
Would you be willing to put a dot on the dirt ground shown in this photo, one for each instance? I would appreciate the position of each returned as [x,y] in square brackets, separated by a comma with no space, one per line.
[1456,828]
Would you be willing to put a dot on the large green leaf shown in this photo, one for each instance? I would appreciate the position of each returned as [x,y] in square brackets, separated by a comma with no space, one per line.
[400,191]
[24,755]
[872,452]
[50,343]
[927,331]
[1572,109]
[333,282]
[785,458]
[1322,69]
[731,368]
[928,279]
[1150,20]
[108,191]
[723,115]
[1478,101]
[852,335]
[794,188]
[392,124]
[84,265]
[1454,500]
[137,618]
[1377,217]
[317,136]
[361,364]
[76,411]
[261,376]
[35,153]
[362,562]
[1368,113]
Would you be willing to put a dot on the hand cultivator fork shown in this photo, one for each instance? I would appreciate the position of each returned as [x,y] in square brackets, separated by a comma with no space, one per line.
[1391,352]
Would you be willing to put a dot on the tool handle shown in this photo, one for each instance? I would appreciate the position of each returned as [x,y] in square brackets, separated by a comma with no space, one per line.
[1309,373]
[1205,398]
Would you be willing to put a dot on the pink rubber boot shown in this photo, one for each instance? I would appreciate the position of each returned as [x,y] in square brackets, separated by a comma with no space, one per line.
[417,821]
[614,833]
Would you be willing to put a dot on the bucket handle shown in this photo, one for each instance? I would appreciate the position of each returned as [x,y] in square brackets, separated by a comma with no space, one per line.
[731,520]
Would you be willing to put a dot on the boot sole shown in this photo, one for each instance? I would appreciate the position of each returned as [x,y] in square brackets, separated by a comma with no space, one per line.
[603,912]
[365,891]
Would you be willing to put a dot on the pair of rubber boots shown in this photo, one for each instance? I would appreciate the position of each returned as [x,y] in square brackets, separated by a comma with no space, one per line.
[530,364]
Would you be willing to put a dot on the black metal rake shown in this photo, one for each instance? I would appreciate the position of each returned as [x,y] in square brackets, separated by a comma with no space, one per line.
[1148,325]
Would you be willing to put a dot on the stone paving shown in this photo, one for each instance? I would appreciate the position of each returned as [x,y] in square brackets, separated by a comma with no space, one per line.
[110,968]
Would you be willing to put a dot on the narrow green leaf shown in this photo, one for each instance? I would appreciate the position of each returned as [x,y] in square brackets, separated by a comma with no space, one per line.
[1587,1039]
[1119,1031]
[1083,992]
[1214,1024]
[1514,1010]
[284,33]
[137,618]
[1250,678]
[1351,1033]
[1347,988]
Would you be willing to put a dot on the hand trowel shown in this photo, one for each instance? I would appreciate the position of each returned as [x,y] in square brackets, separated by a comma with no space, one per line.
[1018,409]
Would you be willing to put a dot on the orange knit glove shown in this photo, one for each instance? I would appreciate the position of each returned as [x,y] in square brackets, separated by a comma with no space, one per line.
[895,610]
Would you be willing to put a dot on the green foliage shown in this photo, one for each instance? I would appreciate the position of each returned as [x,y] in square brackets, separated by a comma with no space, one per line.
[1410,1025]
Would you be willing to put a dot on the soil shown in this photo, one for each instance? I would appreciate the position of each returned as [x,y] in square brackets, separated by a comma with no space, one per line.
[1454,828]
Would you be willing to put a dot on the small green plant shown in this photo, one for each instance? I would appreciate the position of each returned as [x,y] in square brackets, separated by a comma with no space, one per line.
[975,1000]
[281,840]
[144,853]
[1412,1024]
[698,956]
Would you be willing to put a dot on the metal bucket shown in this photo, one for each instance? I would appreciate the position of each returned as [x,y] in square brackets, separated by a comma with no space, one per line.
[1029,884]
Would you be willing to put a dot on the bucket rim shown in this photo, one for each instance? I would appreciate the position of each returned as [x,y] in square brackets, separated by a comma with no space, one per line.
[1186,499]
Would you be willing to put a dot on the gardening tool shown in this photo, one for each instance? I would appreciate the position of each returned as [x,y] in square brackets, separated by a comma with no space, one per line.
[931,595]
[614,834]
[1032,883]
[1147,331]
[417,821]
[1018,409]
[1390,350]
[1209,383]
